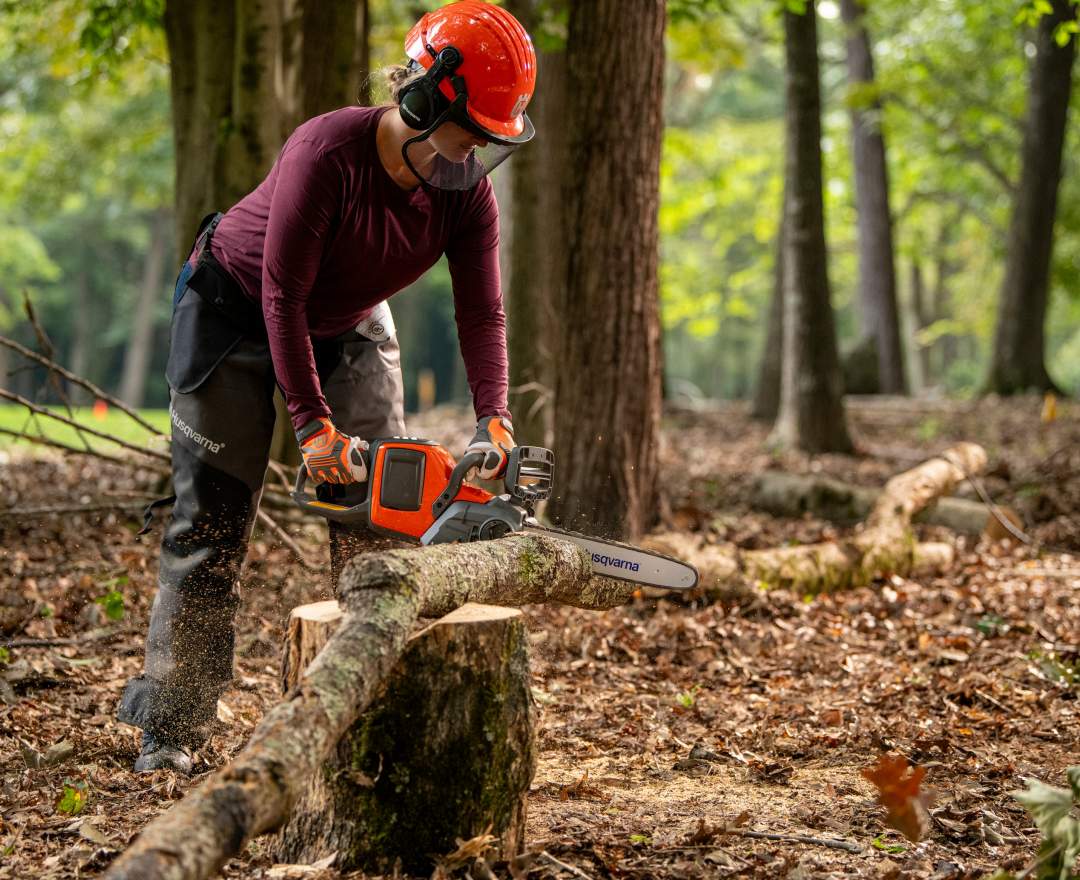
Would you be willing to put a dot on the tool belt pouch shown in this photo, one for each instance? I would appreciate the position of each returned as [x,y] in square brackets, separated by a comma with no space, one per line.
[199,339]
[211,316]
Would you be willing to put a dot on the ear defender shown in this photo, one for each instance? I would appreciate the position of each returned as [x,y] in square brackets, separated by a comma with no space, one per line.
[421,102]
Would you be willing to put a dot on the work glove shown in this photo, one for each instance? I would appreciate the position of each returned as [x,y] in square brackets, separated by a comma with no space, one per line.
[495,438]
[329,455]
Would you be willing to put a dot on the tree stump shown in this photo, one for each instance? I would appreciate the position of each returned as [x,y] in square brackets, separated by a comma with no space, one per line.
[445,752]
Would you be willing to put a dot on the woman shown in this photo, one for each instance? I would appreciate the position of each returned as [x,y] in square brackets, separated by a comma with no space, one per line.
[289,286]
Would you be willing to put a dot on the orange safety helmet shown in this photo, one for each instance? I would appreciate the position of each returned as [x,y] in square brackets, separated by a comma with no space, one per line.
[498,64]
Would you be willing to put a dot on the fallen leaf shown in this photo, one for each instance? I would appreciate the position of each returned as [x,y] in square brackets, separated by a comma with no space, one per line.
[91,832]
[468,850]
[899,793]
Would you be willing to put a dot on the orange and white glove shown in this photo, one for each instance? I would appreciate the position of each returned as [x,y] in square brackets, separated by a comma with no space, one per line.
[329,455]
[495,438]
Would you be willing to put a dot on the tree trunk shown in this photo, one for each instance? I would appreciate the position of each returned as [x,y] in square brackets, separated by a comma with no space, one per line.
[811,413]
[607,385]
[140,343]
[446,753]
[880,317]
[941,304]
[766,404]
[244,74]
[536,257]
[920,312]
[201,36]
[1018,361]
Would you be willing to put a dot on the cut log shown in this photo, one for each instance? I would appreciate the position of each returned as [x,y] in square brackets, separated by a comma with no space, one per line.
[783,494]
[446,752]
[885,546]
[383,595]
[307,632]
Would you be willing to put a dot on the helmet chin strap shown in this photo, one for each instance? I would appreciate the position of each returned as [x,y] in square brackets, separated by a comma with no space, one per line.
[423,136]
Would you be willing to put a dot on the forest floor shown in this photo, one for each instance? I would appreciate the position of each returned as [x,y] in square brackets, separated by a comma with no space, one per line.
[973,674]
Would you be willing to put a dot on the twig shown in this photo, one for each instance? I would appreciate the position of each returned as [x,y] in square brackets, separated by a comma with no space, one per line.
[287,540]
[74,508]
[831,842]
[83,383]
[96,635]
[577,872]
[279,471]
[56,444]
[42,411]
[49,351]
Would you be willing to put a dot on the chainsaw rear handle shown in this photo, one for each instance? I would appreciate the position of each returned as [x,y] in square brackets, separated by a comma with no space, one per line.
[350,516]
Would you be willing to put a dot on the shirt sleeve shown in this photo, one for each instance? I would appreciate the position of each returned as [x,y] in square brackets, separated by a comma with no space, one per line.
[305,202]
[473,255]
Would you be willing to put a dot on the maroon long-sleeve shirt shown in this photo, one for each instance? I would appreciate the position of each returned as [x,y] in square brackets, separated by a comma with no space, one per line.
[328,235]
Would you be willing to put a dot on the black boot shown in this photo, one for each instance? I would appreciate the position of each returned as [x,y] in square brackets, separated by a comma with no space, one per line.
[157,754]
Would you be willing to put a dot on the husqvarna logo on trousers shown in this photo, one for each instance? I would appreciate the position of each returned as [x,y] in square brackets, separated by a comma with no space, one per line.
[193,435]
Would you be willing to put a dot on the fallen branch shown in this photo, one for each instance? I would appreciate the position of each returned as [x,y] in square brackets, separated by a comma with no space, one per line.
[784,494]
[383,596]
[288,541]
[30,354]
[43,411]
[886,544]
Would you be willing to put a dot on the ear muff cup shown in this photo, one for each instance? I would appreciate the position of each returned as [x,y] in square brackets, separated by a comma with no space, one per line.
[416,106]
[421,102]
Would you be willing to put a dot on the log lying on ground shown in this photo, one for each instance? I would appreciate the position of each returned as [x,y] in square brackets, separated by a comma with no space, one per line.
[886,544]
[446,753]
[784,494]
[383,595]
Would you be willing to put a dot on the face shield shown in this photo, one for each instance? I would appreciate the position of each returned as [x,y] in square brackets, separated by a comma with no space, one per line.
[458,156]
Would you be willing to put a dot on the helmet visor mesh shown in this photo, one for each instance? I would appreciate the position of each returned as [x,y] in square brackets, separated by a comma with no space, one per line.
[441,173]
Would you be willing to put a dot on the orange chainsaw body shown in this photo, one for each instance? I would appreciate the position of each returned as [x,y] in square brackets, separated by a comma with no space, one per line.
[407,477]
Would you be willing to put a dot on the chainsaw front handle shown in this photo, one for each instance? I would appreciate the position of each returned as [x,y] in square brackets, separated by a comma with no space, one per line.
[457,476]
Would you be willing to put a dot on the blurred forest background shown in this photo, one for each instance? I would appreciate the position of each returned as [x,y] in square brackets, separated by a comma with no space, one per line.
[88,211]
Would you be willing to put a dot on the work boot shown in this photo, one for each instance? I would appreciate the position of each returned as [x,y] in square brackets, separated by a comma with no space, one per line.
[157,754]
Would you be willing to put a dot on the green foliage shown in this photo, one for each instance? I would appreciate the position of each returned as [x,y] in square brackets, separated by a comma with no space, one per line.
[879,843]
[1052,810]
[73,798]
[113,601]
[687,699]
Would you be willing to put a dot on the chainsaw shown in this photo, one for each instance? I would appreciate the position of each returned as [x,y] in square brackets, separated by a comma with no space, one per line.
[416,491]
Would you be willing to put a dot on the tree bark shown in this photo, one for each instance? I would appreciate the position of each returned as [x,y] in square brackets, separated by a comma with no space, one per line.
[811,414]
[201,35]
[885,546]
[608,370]
[536,255]
[447,752]
[140,343]
[880,317]
[766,403]
[383,595]
[1018,360]
[244,74]
[920,312]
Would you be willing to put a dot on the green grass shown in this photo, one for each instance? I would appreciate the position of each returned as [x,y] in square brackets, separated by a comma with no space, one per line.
[14,417]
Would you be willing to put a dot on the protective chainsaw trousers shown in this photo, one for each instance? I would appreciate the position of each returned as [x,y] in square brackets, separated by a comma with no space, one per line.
[222,411]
